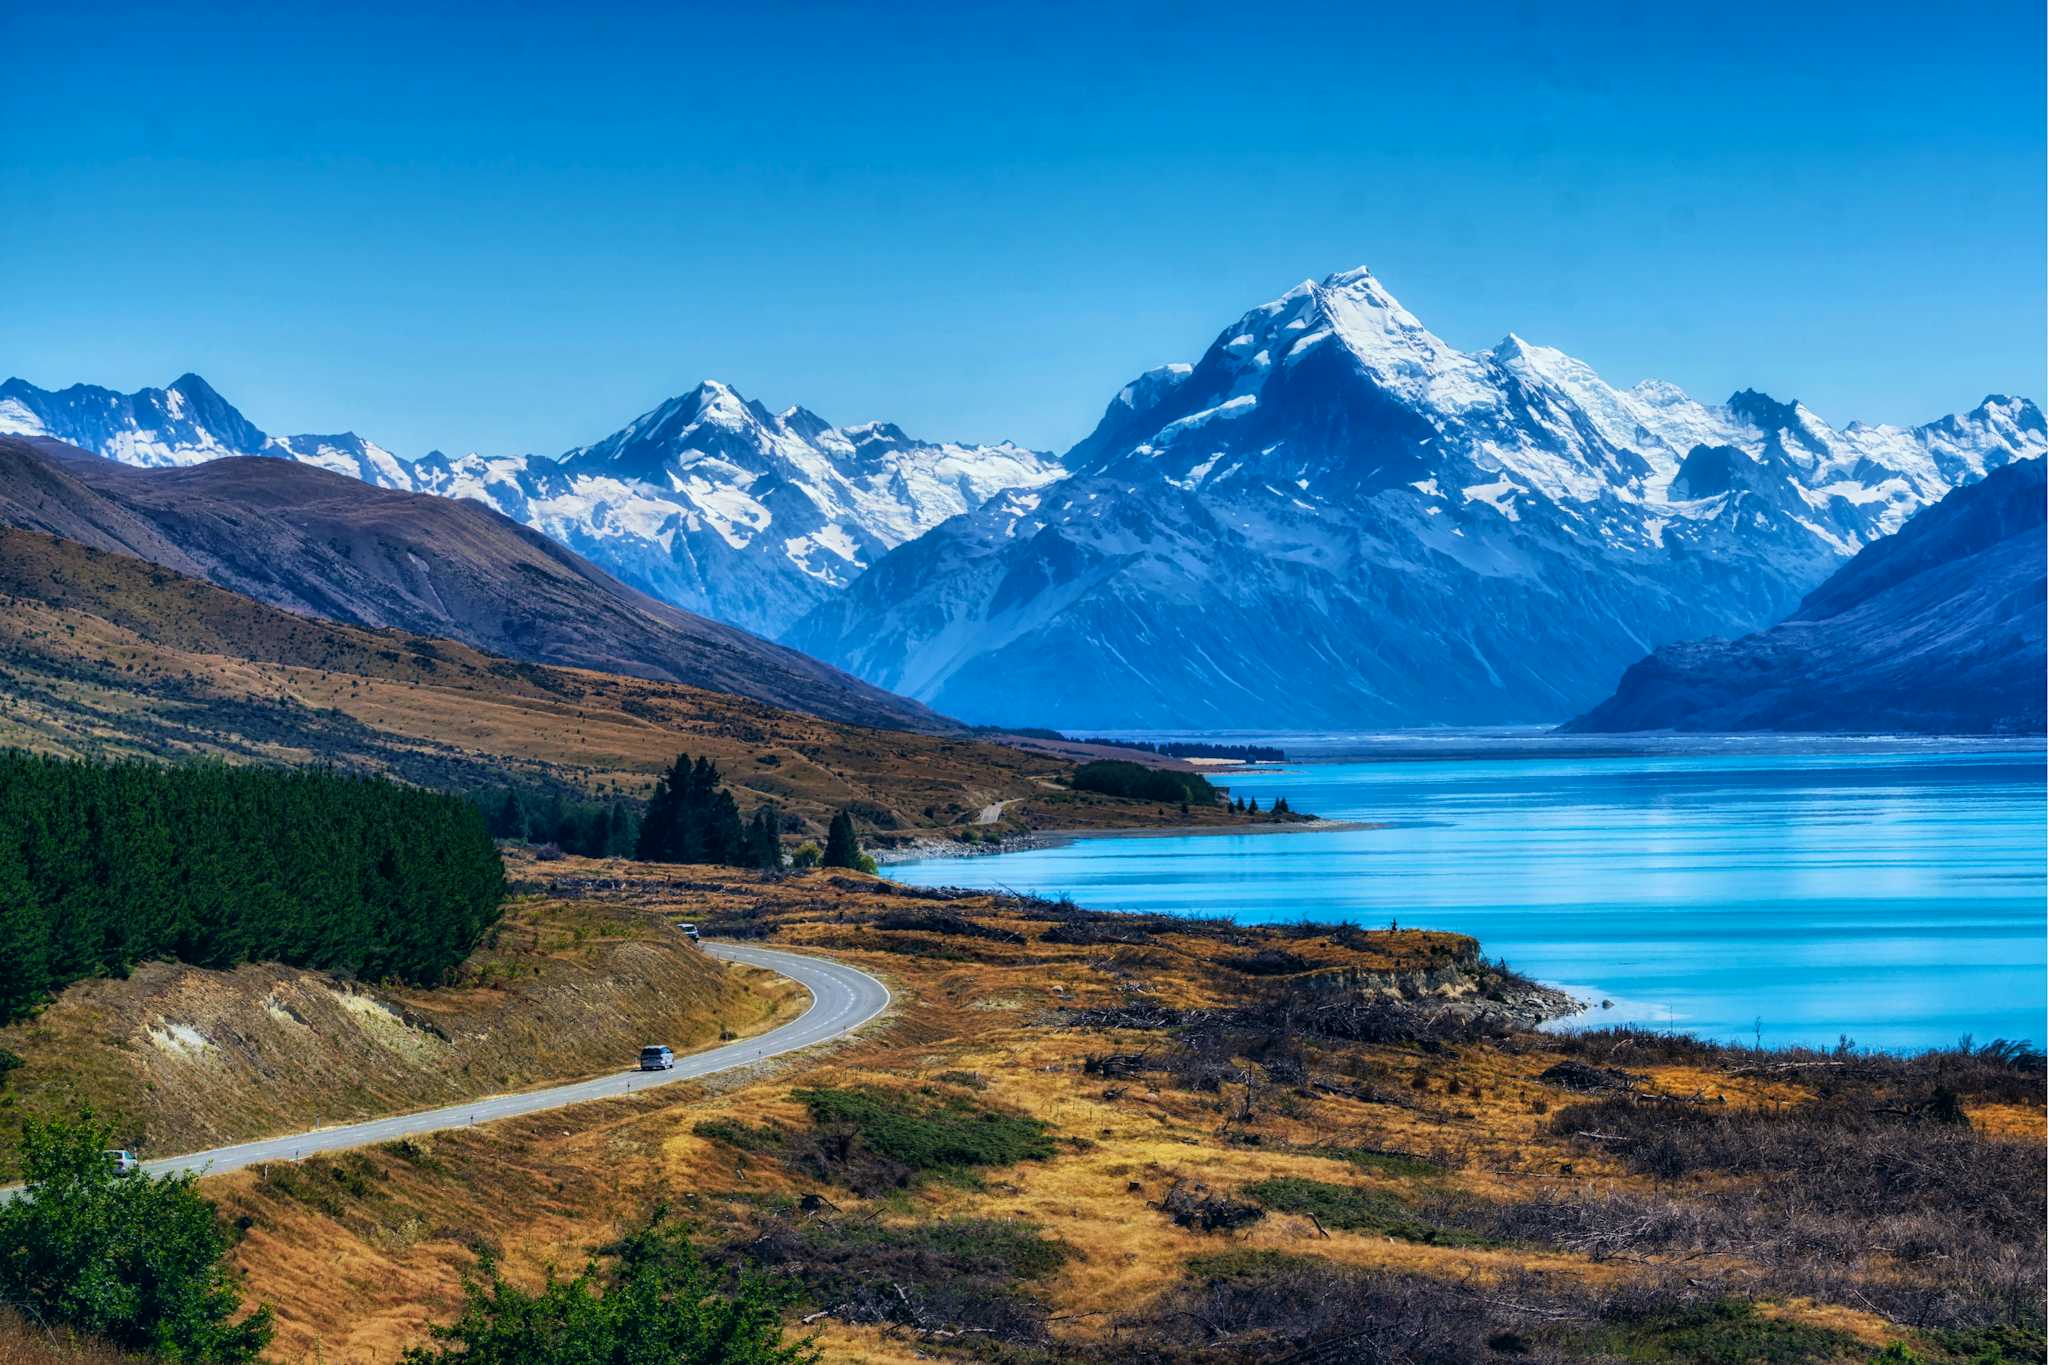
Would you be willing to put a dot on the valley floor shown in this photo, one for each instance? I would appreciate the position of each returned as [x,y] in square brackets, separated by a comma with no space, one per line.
[1090,1137]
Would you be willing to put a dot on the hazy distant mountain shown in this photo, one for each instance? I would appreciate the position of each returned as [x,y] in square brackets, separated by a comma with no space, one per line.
[709,502]
[1336,519]
[325,545]
[1938,629]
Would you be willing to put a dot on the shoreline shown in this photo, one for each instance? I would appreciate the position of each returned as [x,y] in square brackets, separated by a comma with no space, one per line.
[934,849]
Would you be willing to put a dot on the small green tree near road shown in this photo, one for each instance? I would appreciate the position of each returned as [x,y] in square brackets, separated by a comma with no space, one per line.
[655,1301]
[842,845]
[139,1260]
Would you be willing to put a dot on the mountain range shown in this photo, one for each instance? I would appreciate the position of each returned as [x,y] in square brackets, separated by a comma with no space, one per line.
[321,545]
[1333,518]
[1938,629]
[709,501]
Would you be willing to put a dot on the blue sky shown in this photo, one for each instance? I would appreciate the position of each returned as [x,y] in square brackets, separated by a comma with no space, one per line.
[514,228]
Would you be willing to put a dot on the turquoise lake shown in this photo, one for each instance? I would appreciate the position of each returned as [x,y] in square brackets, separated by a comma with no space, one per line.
[1893,893]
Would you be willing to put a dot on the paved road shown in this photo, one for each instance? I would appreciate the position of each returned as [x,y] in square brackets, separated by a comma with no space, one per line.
[842,999]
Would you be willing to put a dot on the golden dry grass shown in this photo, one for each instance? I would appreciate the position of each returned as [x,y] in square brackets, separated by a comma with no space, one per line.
[545,1190]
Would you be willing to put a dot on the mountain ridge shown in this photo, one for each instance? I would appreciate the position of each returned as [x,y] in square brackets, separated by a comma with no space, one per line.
[326,545]
[1936,629]
[1334,517]
[707,501]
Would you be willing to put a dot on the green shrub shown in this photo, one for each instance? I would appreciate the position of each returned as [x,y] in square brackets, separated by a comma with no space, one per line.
[746,1137]
[139,1260]
[941,1134]
[1723,1332]
[1353,1208]
[655,1301]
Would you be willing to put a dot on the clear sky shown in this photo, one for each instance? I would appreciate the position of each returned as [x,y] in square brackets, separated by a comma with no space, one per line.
[514,228]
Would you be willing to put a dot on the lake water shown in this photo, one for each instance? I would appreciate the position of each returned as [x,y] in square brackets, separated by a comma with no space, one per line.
[1894,893]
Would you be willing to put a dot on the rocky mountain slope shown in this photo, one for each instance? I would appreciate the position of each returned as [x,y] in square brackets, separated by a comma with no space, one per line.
[322,545]
[1937,629]
[1336,518]
[709,501]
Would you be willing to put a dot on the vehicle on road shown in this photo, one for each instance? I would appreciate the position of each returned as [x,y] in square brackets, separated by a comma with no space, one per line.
[689,931]
[123,1161]
[657,1058]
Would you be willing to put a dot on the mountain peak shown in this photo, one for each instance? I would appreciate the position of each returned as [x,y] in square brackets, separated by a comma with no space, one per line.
[803,421]
[193,386]
[1346,279]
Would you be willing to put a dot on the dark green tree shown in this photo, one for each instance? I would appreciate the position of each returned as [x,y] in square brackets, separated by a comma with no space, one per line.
[508,818]
[137,1259]
[842,842]
[764,838]
[655,1302]
[691,818]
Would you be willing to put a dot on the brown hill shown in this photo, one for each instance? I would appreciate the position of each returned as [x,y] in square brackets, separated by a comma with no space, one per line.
[107,656]
[324,545]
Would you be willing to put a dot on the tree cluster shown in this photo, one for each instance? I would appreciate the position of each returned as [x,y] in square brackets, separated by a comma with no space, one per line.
[589,829]
[692,818]
[1134,780]
[103,866]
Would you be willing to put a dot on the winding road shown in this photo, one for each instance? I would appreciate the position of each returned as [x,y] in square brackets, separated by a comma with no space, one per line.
[842,999]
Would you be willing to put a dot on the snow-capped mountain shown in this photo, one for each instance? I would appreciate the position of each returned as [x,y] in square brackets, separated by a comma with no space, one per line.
[714,503]
[1934,630]
[184,424]
[1336,518]
[709,501]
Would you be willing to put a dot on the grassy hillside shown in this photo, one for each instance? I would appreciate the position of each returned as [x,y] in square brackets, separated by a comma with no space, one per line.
[108,656]
[180,1058]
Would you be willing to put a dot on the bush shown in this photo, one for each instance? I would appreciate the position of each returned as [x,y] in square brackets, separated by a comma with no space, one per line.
[655,1301]
[1137,782]
[1353,1208]
[136,1259]
[947,1133]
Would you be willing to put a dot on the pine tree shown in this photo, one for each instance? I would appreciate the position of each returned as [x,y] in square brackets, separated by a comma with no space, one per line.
[764,839]
[508,821]
[842,842]
[104,866]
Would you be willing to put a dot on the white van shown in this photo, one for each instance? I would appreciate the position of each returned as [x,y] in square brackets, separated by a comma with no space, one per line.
[657,1058]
